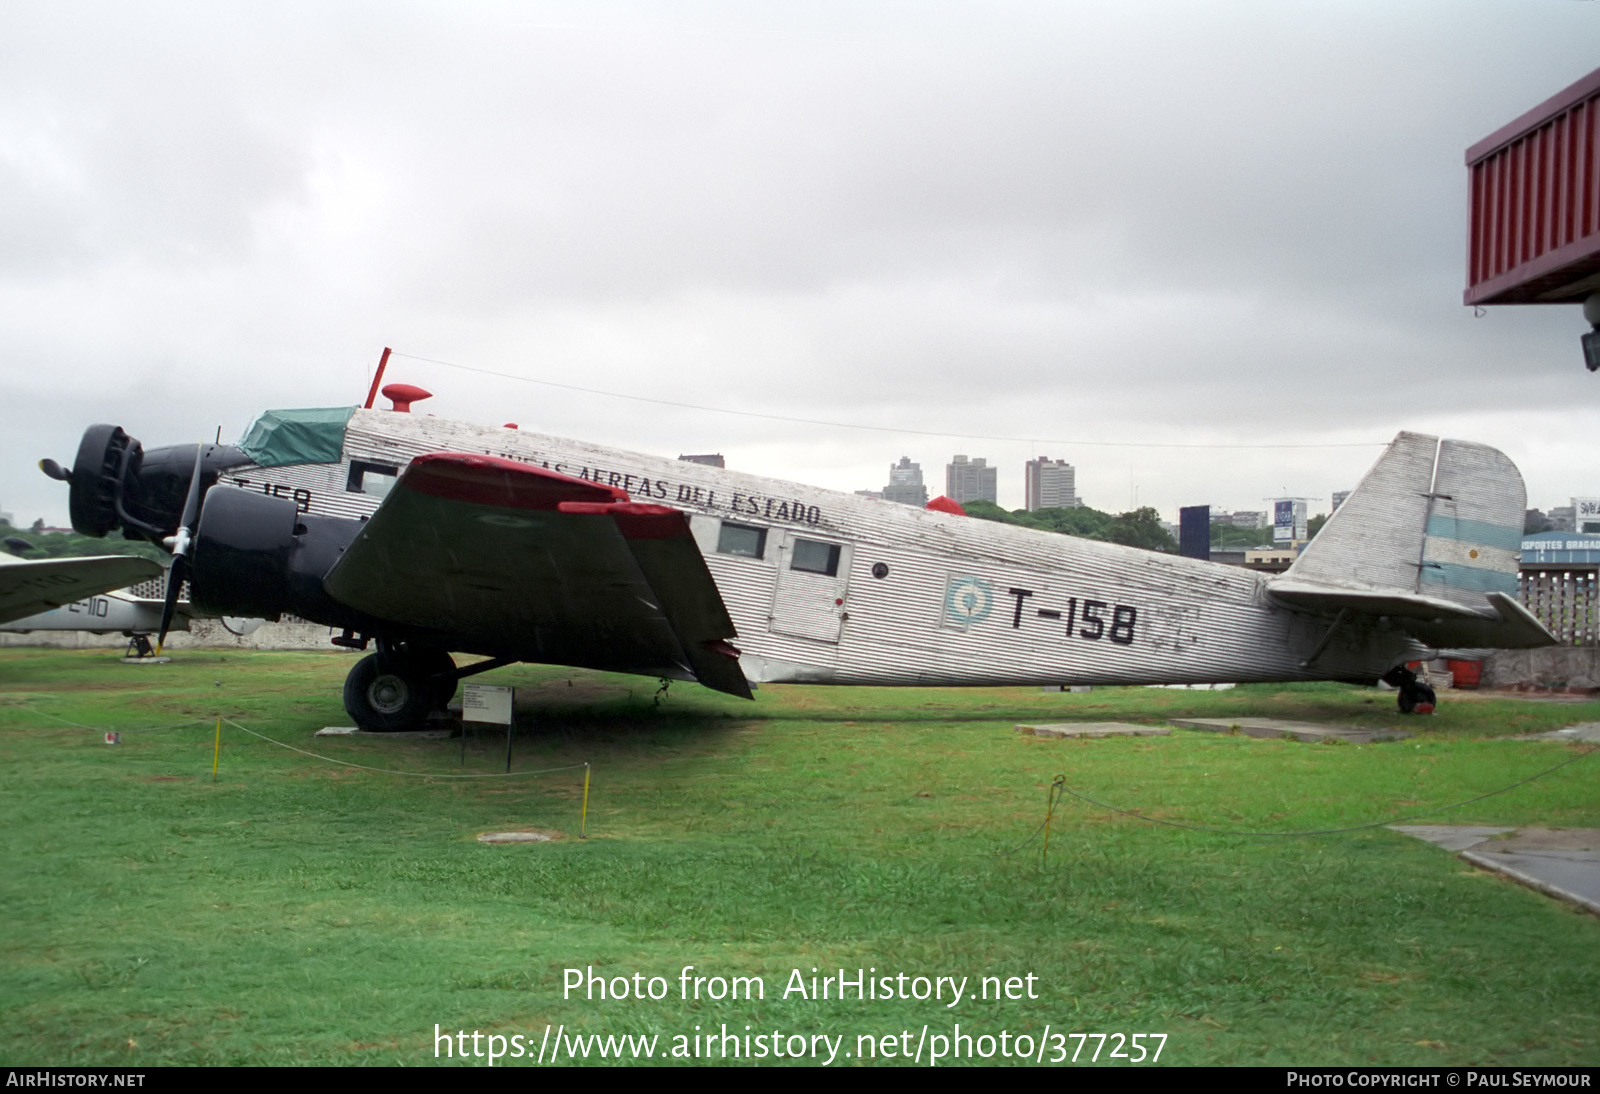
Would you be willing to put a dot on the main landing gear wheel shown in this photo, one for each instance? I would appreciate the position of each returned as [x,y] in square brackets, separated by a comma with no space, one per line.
[389,691]
[1415,697]
[442,668]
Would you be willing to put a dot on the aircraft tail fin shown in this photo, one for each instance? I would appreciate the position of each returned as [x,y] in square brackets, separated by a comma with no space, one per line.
[1430,536]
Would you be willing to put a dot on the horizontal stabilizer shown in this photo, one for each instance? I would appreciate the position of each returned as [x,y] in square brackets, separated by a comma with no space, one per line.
[1503,625]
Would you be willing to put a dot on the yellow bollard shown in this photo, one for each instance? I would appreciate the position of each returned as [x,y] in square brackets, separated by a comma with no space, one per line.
[583,819]
[1051,797]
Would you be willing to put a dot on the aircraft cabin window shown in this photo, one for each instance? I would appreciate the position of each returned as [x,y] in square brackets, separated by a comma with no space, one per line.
[743,540]
[814,557]
[372,479]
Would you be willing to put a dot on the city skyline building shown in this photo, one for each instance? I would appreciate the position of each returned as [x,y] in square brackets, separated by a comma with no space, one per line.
[1050,484]
[905,483]
[971,480]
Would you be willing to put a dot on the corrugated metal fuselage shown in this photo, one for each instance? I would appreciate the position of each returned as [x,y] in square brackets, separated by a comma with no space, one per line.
[826,587]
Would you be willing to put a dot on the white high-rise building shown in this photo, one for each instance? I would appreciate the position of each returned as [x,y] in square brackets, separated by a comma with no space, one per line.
[1050,484]
[971,480]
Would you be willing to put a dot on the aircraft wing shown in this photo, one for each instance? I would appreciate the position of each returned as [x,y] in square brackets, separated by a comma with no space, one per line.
[30,586]
[507,558]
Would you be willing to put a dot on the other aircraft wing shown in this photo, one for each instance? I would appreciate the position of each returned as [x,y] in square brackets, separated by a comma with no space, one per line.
[495,555]
[30,586]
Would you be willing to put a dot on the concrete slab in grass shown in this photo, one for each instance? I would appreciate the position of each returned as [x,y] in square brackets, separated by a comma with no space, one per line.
[398,735]
[521,836]
[1093,729]
[1311,732]
[1583,731]
[1561,862]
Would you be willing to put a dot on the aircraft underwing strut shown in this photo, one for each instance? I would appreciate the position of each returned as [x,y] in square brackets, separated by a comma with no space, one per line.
[1338,620]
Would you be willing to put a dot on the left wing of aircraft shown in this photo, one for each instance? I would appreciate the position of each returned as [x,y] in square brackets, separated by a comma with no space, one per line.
[30,586]
[505,557]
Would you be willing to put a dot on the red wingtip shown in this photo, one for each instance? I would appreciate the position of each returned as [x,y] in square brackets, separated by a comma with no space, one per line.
[942,504]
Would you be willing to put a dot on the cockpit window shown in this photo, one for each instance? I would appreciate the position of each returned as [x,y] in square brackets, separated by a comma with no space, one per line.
[372,479]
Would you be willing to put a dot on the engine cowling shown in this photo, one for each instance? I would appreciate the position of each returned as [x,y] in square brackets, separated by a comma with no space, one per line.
[243,544]
[116,484]
[258,555]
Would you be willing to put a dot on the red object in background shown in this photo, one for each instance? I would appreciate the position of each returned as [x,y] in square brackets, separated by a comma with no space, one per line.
[403,395]
[1533,234]
[377,377]
[1467,674]
[942,504]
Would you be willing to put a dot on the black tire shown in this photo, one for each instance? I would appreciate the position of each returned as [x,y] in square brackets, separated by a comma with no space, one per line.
[437,663]
[384,693]
[1414,697]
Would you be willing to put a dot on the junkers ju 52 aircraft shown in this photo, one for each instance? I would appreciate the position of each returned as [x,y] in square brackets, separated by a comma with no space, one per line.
[427,537]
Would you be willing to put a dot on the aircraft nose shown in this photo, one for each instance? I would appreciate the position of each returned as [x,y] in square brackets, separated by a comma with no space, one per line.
[104,458]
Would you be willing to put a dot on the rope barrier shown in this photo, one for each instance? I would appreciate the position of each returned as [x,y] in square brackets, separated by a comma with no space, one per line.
[96,729]
[391,771]
[304,752]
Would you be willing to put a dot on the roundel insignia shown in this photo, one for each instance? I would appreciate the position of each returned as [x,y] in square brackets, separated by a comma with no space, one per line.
[968,601]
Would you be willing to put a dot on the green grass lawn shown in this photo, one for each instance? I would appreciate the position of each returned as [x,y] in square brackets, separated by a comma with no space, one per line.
[298,911]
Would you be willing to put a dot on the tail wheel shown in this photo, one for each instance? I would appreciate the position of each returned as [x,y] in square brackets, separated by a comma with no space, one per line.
[1417,698]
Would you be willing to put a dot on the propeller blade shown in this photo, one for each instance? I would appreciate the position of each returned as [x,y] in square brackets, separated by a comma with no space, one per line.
[179,543]
[191,503]
[169,602]
[55,470]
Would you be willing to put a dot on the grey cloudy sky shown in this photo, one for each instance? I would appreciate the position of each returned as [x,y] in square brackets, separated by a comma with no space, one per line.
[1064,224]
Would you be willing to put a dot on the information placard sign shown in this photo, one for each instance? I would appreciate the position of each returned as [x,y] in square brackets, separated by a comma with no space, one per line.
[486,703]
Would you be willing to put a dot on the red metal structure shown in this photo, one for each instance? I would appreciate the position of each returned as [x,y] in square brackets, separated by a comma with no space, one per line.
[1534,236]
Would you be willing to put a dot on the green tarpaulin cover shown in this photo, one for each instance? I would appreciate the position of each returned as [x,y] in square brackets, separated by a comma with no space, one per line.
[280,437]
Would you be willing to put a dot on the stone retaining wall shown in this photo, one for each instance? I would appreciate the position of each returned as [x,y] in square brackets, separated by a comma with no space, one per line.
[1554,667]
[202,633]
